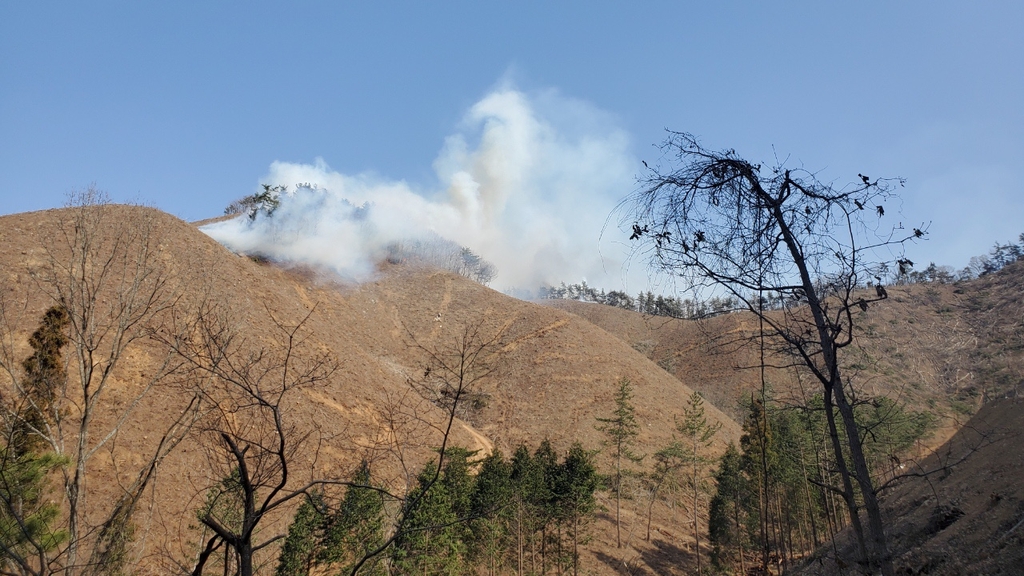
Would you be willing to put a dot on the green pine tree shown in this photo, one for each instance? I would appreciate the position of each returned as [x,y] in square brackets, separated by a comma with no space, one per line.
[728,511]
[493,516]
[528,497]
[26,516]
[574,493]
[545,463]
[621,429]
[299,552]
[356,528]
[698,434]
[432,538]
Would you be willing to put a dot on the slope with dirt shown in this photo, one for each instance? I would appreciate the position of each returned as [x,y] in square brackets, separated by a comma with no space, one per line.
[555,374]
[966,516]
[952,350]
[939,348]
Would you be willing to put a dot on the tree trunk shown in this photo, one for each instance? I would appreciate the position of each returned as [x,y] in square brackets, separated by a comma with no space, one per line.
[696,507]
[834,385]
[879,546]
[844,473]
[618,496]
[739,534]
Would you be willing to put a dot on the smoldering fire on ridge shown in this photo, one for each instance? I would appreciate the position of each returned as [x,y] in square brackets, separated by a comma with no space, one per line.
[532,196]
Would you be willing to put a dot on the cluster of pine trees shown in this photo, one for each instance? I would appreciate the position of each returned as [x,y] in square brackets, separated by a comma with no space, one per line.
[772,500]
[525,515]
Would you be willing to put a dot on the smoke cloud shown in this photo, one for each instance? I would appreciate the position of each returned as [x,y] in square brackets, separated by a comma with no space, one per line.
[526,182]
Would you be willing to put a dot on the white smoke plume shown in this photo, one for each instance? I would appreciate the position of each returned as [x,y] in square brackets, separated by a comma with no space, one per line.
[526,182]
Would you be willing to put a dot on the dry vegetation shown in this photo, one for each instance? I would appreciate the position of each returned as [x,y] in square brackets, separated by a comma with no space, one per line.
[951,349]
[556,373]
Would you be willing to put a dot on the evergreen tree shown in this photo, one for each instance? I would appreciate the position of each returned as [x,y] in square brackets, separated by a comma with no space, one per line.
[543,499]
[299,551]
[728,510]
[889,431]
[26,516]
[575,485]
[527,479]
[621,429]
[431,541]
[491,512]
[225,502]
[698,434]
[760,462]
[356,528]
[667,463]
[44,374]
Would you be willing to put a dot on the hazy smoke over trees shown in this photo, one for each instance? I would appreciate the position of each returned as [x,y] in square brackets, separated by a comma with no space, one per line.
[526,182]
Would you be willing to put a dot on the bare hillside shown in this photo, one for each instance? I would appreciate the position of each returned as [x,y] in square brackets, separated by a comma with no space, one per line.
[555,372]
[941,348]
[965,519]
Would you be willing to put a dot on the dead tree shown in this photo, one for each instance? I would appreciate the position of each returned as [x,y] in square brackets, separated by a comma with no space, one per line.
[250,443]
[254,448]
[719,222]
[452,375]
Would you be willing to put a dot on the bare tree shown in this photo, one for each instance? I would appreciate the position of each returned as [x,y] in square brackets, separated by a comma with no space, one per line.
[250,442]
[103,275]
[719,222]
[453,372]
[254,448]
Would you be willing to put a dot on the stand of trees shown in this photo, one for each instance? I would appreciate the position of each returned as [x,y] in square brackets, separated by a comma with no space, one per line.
[716,221]
[644,303]
[775,492]
[527,515]
[679,475]
[999,257]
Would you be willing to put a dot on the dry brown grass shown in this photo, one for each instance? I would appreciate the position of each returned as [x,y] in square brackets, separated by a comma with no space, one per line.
[557,373]
[942,348]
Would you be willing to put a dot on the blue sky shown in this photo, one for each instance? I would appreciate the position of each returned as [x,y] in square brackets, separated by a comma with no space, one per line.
[185,106]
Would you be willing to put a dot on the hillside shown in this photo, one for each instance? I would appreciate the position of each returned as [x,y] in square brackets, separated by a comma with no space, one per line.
[951,350]
[965,519]
[941,348]
[555,372]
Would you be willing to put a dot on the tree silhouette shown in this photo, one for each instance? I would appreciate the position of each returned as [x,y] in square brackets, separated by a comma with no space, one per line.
[719,222]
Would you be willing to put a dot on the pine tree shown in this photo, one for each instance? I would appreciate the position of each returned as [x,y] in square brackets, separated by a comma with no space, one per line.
[667,463]
[574,494]
[432,538]
[44,374]
[543,498]
[698,434]
[27,517]
[527,480]
[622,430]
[299,551]
[356,528]
[225,502]
[728,510]
[759,464]
[491,512]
